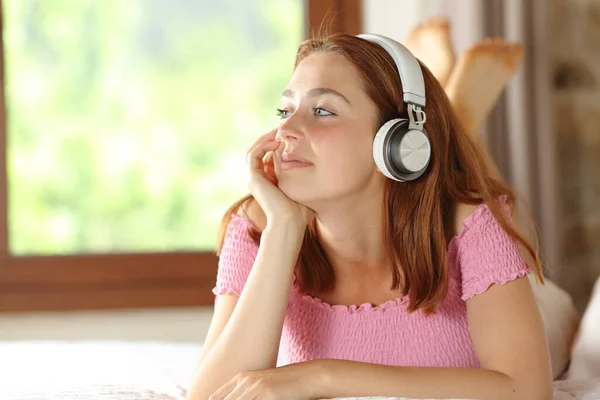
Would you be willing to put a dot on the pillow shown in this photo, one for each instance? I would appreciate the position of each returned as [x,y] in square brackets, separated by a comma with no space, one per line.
[585,357]
[560,319]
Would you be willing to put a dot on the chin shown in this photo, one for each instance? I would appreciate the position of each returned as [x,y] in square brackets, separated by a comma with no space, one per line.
[296,191]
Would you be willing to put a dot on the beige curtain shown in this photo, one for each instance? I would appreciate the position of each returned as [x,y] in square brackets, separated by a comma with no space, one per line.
[519,133]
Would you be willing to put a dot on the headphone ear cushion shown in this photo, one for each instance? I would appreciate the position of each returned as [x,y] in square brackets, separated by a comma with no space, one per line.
[379,148]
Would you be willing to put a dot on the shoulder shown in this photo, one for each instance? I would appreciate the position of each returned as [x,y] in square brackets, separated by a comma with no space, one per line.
[480,215]
[463,212]
[252,211]
[486,253]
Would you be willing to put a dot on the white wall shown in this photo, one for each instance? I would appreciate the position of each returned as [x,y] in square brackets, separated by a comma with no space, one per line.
[167,324]
[396,18]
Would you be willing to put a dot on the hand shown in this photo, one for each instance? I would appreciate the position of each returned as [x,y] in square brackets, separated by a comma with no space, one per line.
[294,382]
[262,183]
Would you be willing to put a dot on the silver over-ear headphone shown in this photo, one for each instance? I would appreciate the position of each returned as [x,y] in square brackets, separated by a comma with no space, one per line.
[401,148]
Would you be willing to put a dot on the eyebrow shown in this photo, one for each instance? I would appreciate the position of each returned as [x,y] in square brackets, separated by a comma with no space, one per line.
[318,92]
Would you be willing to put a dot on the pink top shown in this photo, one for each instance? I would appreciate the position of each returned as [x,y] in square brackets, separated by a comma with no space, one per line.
[387,334]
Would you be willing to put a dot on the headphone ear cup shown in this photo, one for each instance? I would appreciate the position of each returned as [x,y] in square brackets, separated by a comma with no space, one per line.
[410,151]
[401,154]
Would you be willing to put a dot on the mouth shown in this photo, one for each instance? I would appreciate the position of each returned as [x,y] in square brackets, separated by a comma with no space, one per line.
[287,165]
[292,160]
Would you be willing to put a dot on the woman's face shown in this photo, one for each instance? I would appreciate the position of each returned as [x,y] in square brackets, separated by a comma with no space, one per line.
[328,120]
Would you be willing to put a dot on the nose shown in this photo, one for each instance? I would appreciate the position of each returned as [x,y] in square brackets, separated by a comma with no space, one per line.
[290,129]
[289,135]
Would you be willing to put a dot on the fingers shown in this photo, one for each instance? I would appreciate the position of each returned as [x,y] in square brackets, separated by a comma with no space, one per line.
[269,167]
[256,155]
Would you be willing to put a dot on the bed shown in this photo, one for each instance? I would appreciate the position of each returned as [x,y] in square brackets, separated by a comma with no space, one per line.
[101,370]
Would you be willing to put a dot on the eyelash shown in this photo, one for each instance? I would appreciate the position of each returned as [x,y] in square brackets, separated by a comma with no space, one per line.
[280,112]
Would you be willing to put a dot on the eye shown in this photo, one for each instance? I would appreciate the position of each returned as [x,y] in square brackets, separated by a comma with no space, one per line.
[282,113]
[316,109]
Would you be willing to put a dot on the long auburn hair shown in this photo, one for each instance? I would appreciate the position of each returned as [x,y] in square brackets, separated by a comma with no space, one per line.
[416,214]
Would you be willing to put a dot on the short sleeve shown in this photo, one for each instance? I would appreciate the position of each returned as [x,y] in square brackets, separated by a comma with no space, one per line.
[487,254]
[236,258]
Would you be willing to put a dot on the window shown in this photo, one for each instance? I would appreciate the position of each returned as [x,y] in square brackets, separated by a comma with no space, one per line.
[122,129]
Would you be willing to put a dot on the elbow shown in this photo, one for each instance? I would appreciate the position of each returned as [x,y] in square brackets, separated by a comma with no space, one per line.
[533,391]
[196,392]
[545,393]
[199,391]
[199,387]
[529,394]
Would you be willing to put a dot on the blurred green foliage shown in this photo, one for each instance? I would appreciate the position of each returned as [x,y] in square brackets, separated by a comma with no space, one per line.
[128,121]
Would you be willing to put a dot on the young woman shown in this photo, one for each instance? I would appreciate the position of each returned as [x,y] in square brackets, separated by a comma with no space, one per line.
[355,284]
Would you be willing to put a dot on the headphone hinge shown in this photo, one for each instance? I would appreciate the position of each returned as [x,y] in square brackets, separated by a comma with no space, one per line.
[421,117]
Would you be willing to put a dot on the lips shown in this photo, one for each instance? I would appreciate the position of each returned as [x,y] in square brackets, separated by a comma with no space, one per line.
[291,160]
[291,156]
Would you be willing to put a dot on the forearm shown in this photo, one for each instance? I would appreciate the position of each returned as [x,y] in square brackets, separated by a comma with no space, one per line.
[341,378]
[250,340]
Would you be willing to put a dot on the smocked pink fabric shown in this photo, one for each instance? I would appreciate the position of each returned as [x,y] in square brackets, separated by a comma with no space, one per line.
[483,254]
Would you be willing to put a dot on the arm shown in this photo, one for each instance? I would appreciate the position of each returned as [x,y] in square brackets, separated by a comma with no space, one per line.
[222,312]
[508,335]
[225,303]
[251,336]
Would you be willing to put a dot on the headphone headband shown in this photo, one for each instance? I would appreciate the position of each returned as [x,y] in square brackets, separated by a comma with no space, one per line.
[411,75]
[401,148]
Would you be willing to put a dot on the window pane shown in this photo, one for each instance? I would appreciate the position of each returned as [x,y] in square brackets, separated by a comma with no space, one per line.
[128,121]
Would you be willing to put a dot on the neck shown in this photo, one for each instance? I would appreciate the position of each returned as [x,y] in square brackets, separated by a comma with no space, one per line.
[351,234]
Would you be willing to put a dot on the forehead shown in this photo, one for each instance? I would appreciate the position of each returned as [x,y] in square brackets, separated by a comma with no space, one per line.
[326,70]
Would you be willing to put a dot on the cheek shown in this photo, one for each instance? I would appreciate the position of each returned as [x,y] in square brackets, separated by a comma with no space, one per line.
[343,156]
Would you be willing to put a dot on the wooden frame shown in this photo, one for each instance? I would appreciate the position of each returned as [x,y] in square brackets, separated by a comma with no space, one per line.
[29,283]
[345,15]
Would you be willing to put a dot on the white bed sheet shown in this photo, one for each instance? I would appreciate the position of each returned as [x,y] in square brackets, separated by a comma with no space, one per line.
[95,369]
[102,370]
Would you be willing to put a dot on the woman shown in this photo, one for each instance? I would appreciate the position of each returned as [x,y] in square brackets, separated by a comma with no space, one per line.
[361,285]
